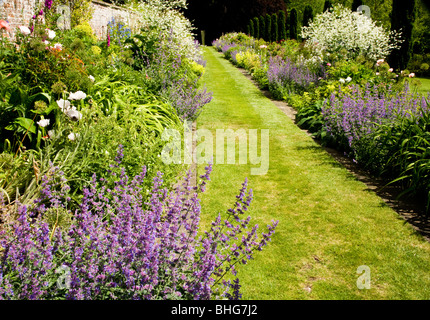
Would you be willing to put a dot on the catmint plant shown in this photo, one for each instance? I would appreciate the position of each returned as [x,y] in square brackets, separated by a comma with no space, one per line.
[126,243]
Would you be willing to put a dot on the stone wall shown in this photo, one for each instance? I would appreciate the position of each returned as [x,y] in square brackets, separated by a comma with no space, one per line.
[20,12]
[103,13]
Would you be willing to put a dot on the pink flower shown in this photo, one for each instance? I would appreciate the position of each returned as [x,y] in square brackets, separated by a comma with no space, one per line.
[390,70]
[4,25]
[379,62]
[411,75]
[329,64]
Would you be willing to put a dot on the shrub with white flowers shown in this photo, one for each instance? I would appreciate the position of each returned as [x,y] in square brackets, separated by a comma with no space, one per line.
[354,32]
[166,18]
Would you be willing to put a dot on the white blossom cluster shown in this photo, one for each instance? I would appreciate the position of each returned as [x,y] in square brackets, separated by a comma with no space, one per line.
[166,18]
[354,32]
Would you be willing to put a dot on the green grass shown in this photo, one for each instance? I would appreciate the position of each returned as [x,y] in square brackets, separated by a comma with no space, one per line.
[329,222]
[424,86]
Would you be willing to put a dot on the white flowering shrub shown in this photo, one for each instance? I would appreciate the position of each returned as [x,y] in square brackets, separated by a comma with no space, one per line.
[353,32]
[164,17]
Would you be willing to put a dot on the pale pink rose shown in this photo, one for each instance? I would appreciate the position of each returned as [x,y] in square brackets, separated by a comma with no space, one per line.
[24,30]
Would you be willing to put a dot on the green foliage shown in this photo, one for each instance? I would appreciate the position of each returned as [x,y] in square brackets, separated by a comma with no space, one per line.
[251,28]
[268,28]
[282,25]
[405,150]
[84,30]
[275,35]
[293,24]
[308,15]
[262,24]
[257,31]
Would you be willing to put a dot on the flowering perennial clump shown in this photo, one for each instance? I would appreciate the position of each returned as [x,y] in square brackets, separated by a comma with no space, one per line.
[353,117]
[284,74]
[121,244]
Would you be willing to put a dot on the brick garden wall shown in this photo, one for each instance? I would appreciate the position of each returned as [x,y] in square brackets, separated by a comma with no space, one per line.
[20,12]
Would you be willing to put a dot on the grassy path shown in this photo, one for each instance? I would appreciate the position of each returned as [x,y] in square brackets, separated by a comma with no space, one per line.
[329,223]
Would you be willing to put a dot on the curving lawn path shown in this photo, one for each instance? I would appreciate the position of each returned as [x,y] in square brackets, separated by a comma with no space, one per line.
[329,222]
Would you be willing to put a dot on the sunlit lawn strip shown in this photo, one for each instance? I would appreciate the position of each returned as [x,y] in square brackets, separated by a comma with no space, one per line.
[329,223]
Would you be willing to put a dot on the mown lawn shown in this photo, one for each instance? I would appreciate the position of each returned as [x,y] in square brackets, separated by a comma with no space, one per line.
[424,86]
[329,222]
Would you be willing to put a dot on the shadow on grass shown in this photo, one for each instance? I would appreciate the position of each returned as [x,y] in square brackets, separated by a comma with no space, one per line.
[410,209]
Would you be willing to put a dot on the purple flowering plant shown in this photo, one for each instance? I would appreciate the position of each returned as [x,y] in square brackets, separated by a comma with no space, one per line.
[123,244]
[352,117]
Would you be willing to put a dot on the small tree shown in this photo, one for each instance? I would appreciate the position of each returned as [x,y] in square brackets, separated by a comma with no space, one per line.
[269,27]
[282,33]
[293,24]
[308,15]
[275,37]
[402,19]
[251,28]
[256,28]
[263,33]
[327,5]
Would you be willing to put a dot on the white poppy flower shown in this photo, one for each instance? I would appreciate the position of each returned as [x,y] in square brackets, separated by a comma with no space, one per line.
[78,95]
[348,79]
[51,34]
[43,123]
[72,136]
[341,80]
[92,78]
[63,104]
[24,30]
[74,114]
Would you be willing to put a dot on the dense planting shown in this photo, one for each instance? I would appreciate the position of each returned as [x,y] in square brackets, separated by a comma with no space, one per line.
[78,117]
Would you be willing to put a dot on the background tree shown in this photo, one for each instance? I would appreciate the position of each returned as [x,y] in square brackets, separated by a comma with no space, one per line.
[282,33]
[251,28]
[222,16]
[256,28]
[275,37]
[327,5]
[308,15]
[269,27]
[263,31]
[402,19]
[293,24]
[356,4]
